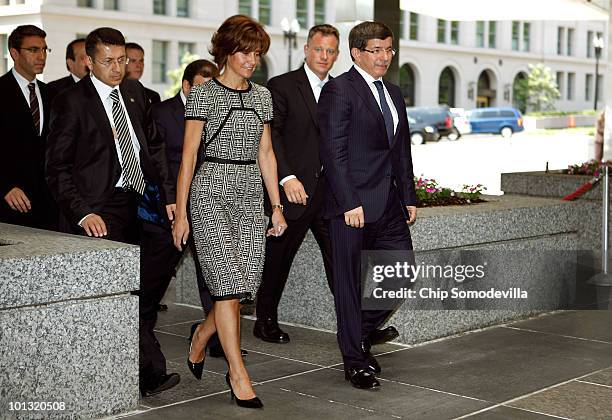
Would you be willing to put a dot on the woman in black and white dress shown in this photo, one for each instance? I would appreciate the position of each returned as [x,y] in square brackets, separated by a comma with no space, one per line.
[231,116]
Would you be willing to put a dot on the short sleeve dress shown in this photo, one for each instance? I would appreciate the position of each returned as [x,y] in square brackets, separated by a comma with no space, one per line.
[226,195]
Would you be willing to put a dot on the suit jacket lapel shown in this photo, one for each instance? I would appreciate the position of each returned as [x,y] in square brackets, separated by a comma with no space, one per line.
[129,99]
[20,99]
[400,107]
[364,91]
[96,109]
[307,94]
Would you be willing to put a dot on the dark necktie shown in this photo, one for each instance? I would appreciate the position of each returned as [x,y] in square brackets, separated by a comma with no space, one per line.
[132,174]
[34,107]
[386,111]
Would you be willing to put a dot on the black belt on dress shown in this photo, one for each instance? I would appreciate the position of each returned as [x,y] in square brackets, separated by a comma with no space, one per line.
[230,161]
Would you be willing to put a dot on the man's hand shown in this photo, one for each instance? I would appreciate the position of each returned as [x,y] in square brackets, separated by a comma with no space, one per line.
[94,226]
[355,217]
[170,209]
[294,190]
[18,200]
[412,211]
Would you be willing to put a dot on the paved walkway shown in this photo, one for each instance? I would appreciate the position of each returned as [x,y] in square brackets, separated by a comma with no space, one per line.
[553,366]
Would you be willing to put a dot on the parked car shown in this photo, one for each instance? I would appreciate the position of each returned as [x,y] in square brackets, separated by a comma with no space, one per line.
[504,121]
[421,132]
[461,120]
[438,117]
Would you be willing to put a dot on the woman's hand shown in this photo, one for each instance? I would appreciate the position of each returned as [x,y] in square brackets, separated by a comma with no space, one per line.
[279,226]
[180,232]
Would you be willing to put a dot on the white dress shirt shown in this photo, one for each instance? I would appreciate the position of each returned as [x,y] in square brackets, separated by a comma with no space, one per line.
[76,79]
[183,97]
[104,92]
[316,85]
[370,81]
[23,85]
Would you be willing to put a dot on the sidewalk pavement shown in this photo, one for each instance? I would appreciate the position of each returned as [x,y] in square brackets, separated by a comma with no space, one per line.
[556,365]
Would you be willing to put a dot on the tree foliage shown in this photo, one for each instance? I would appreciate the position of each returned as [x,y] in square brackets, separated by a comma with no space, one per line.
[538,91]
[176,75]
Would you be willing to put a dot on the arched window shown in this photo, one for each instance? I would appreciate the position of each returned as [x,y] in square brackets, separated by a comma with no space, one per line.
[446,87]
[406,81]
[260,75]
[486,93]
[519,92]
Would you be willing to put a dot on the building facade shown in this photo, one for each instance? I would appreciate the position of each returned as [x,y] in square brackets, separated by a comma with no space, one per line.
[463,64]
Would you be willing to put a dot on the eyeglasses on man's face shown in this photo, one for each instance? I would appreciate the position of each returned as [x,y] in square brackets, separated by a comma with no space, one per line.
[121,61]
[36,50]
[379,51]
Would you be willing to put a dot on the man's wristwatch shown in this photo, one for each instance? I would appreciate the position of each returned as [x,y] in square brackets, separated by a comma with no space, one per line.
[278,206]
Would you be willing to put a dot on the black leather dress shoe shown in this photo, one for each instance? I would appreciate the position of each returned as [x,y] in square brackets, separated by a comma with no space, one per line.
[361,378]
[372,362]
[216,350]
[165,382]
[383,336]
[268,330]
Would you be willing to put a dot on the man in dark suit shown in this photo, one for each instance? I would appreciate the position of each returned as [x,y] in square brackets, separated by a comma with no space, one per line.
[135,68]
[24,122]
[296,145]
[169,118]
[365,150]
[102,154]
[76,63]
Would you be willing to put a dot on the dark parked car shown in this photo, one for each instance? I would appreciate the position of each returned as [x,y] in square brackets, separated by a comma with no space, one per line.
[421,132]
[438,117]
[504,121]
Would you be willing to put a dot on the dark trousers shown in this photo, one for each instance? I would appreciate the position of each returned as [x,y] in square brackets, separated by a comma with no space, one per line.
[158,261]
[281,251]
[390,232]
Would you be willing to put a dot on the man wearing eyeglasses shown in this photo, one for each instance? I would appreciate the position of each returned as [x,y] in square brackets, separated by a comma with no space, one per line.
[365,150]
[24,122]
[296,145]
[102,155]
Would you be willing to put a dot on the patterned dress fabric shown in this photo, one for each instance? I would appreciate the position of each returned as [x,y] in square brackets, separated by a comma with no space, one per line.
[226,200]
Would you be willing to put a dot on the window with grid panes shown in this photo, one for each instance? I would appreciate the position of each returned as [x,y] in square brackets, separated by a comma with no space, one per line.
[301,12]
[480,33]
[526,36]
[516,33]
[160,61]
[414,26]
[244,7]
[265,12]
[185,47]
[441,31]
[319,12]
[182,8]
[492,34]
[159,7]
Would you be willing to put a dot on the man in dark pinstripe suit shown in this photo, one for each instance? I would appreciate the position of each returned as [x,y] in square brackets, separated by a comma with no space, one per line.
[365,151]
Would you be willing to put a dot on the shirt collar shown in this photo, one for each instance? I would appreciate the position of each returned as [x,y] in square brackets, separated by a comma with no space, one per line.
[313,78]
[367,76]
[76,79]
[102,88]
[22,81]
[183,97]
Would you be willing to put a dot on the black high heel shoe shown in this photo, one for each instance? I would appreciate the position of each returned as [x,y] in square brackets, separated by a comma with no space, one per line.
[254,402]
[195,368]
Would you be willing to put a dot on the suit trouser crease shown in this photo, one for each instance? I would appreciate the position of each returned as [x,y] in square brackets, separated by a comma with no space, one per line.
[281,252]
[390,232]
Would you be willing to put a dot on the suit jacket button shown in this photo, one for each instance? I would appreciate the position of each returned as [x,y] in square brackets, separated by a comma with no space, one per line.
[316,175]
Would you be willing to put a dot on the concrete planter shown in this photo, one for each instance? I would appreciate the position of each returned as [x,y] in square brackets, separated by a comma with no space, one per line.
[561,121]
[504,223]
[68,325]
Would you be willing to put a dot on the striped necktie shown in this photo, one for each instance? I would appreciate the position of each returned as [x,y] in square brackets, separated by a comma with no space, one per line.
[34,107]
[132,174]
